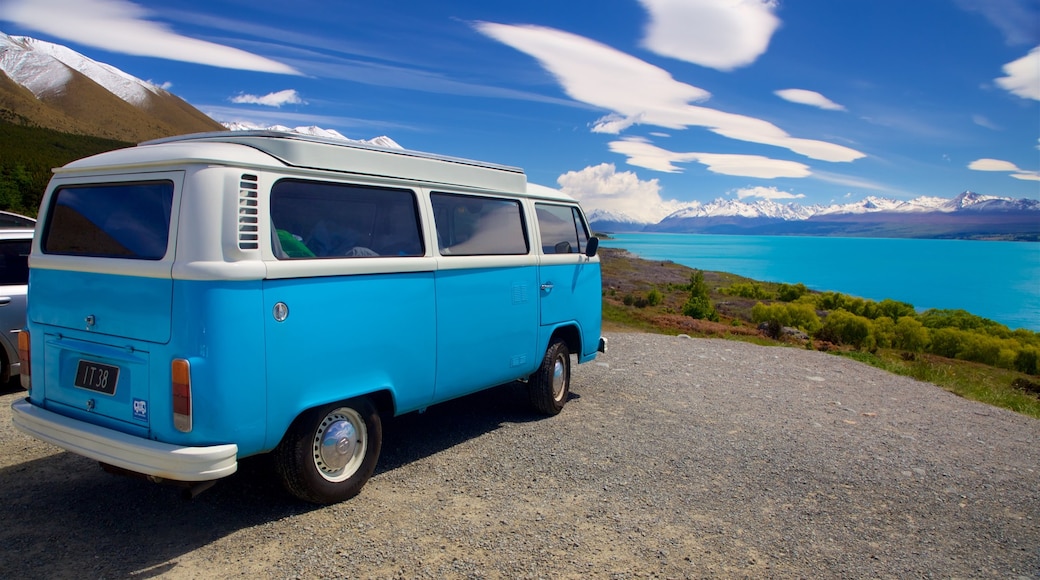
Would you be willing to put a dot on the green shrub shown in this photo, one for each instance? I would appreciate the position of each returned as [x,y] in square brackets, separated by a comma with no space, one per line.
[747,290]
[843,327]
[910,335]
[699,304]
[790,293]
[1028,360]
[778,315]
[654,297]
[895,310]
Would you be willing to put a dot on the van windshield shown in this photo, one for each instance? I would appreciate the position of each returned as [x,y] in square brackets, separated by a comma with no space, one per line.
[122,220]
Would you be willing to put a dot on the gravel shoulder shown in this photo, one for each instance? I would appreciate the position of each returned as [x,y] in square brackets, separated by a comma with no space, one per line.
[675,458]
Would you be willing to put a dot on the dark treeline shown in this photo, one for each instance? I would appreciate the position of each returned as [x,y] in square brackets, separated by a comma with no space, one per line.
[27,155]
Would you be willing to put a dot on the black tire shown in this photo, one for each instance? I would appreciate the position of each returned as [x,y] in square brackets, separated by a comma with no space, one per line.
[330,452]
[550,386]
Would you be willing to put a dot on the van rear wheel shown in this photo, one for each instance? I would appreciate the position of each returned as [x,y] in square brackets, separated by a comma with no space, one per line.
[550,386]
[330,452]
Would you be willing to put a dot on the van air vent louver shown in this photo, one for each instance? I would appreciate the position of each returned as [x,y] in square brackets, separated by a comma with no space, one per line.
[248,234]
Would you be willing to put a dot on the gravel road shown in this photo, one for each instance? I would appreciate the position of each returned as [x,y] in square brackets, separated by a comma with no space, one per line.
[675,458]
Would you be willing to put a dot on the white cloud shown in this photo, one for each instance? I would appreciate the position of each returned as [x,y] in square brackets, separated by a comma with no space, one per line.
[604,188]
[1027,175]
[719,34]
[992,165]
[811,98]
[1006,166]
[1023,76]
[597,74]
[642,153]
[122,26]
[637,92]
[286,97]
[164,86]
[770,193]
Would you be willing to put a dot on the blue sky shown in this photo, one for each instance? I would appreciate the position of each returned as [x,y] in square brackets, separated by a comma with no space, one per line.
[633,105]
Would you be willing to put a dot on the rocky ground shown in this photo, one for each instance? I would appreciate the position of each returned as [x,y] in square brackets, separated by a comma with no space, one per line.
[675,458]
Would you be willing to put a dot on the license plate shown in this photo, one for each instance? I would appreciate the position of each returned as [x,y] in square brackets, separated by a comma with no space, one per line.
[97,377]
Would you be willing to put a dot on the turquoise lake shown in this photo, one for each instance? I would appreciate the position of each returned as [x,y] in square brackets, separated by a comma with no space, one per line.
[995,280]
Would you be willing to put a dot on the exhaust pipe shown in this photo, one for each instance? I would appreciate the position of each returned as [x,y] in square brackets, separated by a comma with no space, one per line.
[189,489]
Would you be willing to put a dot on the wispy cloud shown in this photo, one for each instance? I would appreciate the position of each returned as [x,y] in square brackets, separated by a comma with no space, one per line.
[1005,166]
[640,93]
[770,193]
[1023,76]
[277,99]
[861,184]
[603,187]
[124,27]
[642,153]
[811,98]
[1016,19]
[983,121]
[723,35]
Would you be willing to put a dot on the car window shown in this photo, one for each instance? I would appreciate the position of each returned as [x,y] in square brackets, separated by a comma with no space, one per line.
[469,225]
[314,219]
[121,220]
[14,262]
[562,229]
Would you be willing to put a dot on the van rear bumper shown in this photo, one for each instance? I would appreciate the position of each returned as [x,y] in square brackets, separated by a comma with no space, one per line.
[161,460]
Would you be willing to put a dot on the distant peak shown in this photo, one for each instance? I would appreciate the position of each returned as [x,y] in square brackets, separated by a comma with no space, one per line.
[313,130]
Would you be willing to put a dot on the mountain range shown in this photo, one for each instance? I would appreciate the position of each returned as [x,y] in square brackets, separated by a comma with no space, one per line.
[968,215]
[51,86]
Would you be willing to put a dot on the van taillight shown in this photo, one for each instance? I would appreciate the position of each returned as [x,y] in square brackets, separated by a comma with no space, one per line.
[24,356]
[181,383]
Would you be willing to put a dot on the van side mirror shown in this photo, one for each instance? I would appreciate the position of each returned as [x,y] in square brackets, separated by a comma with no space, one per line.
[592,247]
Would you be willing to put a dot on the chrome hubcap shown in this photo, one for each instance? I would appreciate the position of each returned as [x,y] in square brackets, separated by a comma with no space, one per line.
[339,444]
[559,379]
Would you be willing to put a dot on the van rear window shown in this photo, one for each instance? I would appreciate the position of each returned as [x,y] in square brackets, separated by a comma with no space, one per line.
[119,220]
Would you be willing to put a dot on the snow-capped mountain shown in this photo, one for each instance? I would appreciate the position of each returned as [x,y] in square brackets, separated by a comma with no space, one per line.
[53,86]
[764,209]
[603,215]
[968,215]
[34,65]
[381,141]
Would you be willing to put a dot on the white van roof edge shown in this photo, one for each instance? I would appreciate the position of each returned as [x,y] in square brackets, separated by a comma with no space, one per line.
[257,137]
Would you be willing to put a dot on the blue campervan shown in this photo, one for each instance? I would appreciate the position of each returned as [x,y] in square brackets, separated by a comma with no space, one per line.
[200,299]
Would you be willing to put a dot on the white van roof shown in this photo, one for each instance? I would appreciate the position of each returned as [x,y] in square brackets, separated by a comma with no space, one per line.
[311,152]
[260,148]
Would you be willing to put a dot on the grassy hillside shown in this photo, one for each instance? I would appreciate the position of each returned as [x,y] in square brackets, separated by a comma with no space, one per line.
[970,356]
[27,155]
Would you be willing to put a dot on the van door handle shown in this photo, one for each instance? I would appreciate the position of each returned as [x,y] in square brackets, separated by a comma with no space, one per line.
[547,287]
[5,300]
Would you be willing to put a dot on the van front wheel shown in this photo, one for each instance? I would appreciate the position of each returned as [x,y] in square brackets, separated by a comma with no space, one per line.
[330,452]
[550,385]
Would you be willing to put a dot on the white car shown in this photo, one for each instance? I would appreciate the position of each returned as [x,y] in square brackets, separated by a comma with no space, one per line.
[16,234]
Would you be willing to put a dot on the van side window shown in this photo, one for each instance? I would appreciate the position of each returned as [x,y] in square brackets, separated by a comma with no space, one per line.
[118,220]
[563,229]
[315,219]
[469,225]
